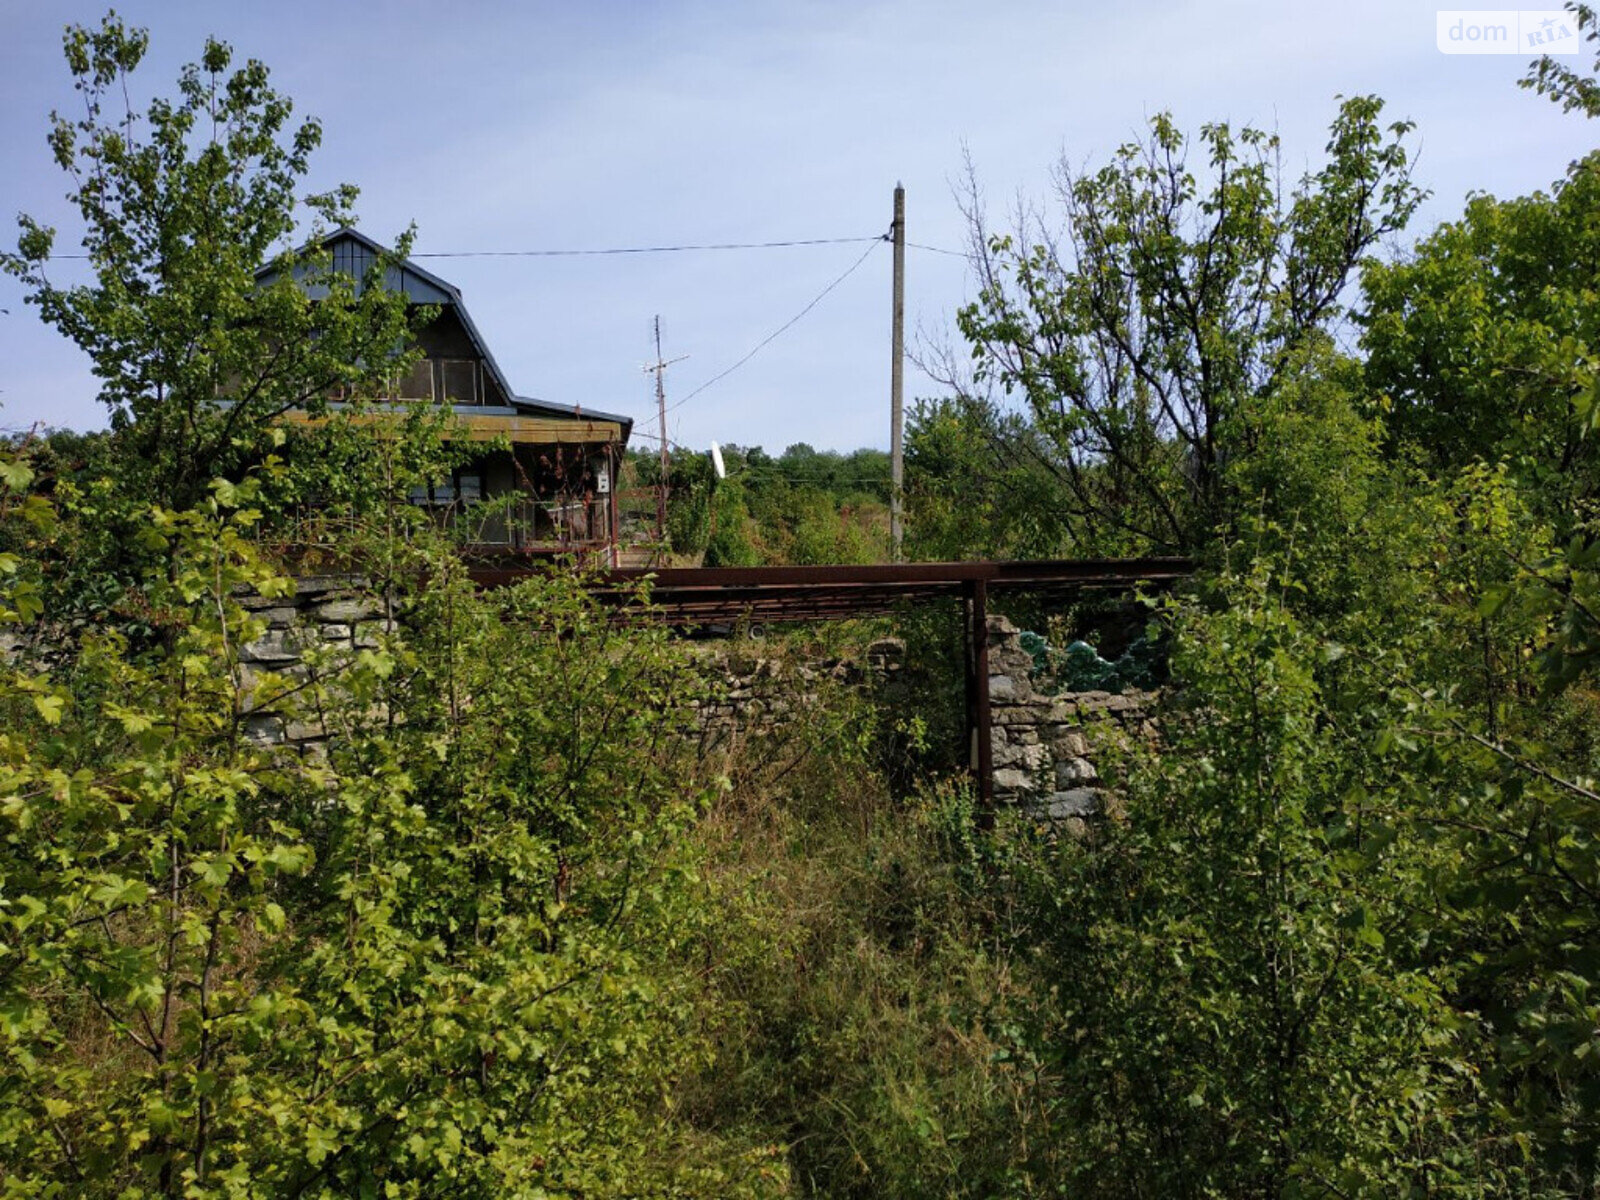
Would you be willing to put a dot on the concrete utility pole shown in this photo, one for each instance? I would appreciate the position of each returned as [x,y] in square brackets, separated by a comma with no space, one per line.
[896,373]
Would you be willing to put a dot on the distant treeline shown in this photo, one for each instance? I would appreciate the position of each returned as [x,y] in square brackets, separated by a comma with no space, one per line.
[802,506]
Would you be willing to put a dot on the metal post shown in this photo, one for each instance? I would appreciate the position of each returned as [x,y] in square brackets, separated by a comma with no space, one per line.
[659,367]
[896,374]
[982,720]
[613,518]
[969,666]
[980,740]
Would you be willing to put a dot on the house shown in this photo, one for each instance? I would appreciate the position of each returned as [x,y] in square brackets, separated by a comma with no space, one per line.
[561,467]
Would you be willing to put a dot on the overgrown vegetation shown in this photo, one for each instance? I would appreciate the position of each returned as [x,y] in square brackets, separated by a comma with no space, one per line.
[511,934]
[803,507]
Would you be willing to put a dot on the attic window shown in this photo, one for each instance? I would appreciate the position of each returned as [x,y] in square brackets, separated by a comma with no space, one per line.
[458,378]
[417,383]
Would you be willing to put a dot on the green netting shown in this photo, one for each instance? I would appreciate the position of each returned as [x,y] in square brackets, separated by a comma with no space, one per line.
[1079,667]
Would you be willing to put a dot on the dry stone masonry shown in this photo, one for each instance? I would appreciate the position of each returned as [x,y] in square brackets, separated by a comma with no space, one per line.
[759,693]
[327,613]
[1045,744]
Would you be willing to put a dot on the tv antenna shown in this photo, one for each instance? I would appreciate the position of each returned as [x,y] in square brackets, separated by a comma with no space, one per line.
[660,368]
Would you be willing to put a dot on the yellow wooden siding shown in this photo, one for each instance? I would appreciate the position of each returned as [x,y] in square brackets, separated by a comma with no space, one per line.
[483,427]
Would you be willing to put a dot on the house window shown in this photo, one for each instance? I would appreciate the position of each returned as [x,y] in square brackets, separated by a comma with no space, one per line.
[417,383]
[458,378]
[463,488]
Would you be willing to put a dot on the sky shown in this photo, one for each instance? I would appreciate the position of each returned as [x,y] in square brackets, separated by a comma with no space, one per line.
[528,125]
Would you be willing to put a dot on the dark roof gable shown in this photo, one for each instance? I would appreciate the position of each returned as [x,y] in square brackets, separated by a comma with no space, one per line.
[354,253]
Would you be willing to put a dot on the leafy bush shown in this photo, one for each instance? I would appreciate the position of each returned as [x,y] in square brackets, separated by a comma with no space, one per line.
[439,955]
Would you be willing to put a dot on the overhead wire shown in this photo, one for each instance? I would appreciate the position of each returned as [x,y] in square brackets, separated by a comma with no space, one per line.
[668,249]
[672,249]
[761,345]
[664,249]
[590,252]
[677,249]
[873,242]
[937,249]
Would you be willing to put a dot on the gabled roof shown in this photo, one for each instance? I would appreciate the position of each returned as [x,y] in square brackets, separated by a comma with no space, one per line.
[354,253]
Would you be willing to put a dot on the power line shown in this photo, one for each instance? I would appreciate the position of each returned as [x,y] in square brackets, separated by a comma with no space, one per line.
[587,253]
[781,329]
[668,249]
[675,249]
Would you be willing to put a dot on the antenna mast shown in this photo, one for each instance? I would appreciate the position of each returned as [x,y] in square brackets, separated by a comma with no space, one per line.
[896,360]
[659,367]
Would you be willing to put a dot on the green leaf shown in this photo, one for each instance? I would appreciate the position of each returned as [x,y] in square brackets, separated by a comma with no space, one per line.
[273,918]
[15,474]
[1493,599]
[49,706]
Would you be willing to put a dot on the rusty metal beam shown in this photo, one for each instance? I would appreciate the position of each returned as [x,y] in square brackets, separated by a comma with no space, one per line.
[1077,570]
[684,595]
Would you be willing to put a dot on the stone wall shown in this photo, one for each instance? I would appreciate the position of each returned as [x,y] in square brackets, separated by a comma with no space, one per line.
[754,690]
[327,618]
[758,692]
[1045,745]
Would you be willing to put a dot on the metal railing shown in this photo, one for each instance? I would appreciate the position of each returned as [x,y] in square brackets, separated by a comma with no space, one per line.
[537,524]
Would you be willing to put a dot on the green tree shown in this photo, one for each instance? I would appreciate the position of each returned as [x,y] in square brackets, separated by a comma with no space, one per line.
[1165,302]
[806,506]
[983,483]
[1485,343]
[1567,87]
[730,544]
[1248,1002]
[182,205]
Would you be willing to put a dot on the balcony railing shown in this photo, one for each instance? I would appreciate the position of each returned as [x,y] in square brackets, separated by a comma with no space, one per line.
[537,524]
